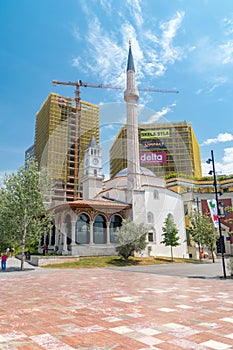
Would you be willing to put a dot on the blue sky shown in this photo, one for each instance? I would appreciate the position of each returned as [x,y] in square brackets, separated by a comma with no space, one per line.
[179,44]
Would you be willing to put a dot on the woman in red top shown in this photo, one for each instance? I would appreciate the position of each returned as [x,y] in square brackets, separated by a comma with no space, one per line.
[4,259]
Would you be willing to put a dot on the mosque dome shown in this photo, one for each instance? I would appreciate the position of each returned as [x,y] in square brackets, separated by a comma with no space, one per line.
[143,171]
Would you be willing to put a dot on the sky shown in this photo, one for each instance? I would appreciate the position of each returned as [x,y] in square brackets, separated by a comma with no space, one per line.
[184,45]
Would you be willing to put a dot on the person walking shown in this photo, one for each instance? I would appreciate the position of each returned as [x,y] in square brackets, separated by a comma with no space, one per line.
[3,261]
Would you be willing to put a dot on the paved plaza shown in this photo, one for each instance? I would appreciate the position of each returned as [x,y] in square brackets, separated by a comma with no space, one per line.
[117,309]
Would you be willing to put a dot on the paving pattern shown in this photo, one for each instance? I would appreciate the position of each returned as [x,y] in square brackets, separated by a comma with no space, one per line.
[92,309]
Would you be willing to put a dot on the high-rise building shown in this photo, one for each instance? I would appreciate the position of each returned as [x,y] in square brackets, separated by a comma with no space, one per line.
[164,148]
[29,153]
[61,136]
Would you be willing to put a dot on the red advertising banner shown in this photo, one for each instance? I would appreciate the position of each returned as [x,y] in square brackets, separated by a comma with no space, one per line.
[151,158]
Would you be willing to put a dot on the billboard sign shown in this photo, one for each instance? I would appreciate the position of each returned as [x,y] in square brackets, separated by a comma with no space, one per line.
[148,134]
[152,158]
[147,144]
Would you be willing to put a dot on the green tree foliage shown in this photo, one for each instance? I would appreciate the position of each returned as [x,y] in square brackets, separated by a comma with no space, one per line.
[130,238]
[229,210]
[203,231]
[23,216]
[170,235]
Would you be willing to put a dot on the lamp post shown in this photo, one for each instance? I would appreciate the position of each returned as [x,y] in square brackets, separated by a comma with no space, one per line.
[218,211]
[197,201]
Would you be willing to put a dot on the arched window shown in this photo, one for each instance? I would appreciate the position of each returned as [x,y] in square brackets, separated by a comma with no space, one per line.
[116,221]
[82,229]
[99,230]
[171,217]
[68,229]
[156,194]
[53,234]
[150,217]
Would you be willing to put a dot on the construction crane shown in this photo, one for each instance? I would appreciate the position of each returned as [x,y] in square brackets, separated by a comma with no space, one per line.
[79,83]
[77,99]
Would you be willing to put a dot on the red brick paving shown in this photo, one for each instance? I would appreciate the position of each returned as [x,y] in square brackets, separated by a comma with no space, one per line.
[94,309]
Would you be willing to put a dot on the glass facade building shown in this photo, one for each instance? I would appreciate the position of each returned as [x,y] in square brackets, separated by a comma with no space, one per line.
[62,134]
[164,148]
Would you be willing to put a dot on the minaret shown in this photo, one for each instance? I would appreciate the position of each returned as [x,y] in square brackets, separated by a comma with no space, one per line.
[131,96]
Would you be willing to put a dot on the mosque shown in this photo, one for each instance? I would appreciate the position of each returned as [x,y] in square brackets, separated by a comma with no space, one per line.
[87,227]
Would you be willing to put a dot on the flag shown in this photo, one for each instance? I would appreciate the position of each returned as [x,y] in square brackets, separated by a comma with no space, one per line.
[212,205]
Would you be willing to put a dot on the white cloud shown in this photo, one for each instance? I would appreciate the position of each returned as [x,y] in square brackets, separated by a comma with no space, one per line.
[220,138]
[222,168]
[226,52]
[228,25]
[106,50]
[228,156]
[213,84]
[106,6]
[216,83]
[170,28]
[136,11]
[158,115]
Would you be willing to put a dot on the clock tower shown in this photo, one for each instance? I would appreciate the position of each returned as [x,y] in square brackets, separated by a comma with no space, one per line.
[93,178]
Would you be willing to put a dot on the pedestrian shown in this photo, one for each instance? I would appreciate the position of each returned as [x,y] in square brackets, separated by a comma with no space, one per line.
[45,249]
[3,261]
[12,251]
[28,255]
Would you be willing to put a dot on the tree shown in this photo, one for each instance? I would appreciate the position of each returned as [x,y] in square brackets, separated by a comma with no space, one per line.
[170,235]
[130,238]
[196,228]
[23,216]
[202,231]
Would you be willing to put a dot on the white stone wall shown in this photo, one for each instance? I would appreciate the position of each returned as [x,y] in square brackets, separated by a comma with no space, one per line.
[168,203]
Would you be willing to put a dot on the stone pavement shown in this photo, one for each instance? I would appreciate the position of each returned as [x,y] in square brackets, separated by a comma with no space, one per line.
[106,309]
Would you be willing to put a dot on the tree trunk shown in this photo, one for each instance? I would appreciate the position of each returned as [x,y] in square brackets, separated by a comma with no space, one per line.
[23,250]
[199,248]
[171,253]
[23,240]
[212,252]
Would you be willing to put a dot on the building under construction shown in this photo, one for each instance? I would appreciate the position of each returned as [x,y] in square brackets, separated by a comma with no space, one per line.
[62,134]
[165,148]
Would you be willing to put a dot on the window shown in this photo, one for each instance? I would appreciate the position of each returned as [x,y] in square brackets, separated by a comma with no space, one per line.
[116,221]
[100,230]
[150,218]
[171,217]
[150,237]
[82,229]
[156,194]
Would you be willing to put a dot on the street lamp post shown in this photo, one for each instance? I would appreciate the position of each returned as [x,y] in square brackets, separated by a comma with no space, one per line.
[218,211]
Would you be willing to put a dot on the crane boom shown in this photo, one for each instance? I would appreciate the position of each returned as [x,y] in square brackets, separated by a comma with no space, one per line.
[86,84]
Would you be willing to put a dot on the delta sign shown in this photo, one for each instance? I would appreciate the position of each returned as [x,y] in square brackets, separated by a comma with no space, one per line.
[152,158]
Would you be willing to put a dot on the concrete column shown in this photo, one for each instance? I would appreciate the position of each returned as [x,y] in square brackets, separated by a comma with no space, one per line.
[108,232]
[91,232]
[64,239]
[73,223]
[57,231]
[50,236]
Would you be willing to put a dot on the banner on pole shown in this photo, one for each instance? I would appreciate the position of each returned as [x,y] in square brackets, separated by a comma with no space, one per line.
[212,205]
